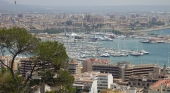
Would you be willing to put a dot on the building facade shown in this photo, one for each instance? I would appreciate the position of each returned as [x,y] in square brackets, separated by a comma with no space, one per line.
[74,67]
[145,81]
[104,80]
[96,80]
[6,60]
[123,70]
[27,65]
[87,64]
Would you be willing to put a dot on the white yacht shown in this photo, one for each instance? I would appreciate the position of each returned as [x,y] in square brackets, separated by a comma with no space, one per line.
[105,55]
[135,53]
[144,52]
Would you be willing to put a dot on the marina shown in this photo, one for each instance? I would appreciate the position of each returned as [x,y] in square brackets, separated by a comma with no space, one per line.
[117,49]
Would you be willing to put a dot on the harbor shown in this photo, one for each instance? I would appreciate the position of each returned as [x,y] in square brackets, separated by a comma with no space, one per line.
[117,49]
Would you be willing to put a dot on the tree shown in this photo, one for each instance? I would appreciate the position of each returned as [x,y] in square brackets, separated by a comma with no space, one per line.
[16,41]
[49,61]
[116,32]
[7,83]
[55,54]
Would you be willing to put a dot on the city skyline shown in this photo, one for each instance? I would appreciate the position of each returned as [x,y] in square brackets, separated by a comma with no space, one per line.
[90,2]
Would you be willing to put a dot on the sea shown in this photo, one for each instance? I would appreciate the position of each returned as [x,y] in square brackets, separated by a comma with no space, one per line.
[159,53]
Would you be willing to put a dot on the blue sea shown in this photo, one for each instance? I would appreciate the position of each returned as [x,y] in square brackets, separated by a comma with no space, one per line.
[159,53]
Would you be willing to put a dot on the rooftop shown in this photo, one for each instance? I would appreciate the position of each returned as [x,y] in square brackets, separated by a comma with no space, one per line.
[73,61]
[98,60]
[88,76]
[25,59]
[159,83]
[127,65]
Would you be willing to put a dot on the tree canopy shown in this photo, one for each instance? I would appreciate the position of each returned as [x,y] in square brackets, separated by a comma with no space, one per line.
[48,62]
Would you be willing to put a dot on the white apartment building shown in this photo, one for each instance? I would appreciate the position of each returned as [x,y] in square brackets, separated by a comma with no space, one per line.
[85,84]
[104,80]
[94,80]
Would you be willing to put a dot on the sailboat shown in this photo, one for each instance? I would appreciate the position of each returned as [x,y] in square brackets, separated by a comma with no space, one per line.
[143,51]
[92,38]
[136,53]
[119,53]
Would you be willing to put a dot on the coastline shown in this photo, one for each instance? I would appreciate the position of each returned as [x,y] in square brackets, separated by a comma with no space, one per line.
[149,29]
[155,29]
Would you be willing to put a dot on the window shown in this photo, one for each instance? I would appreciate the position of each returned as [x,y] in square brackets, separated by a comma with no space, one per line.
[134,83]
[143,84]
[139,80]
[168,90]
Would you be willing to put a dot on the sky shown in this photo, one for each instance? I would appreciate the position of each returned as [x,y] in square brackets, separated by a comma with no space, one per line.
[90,2]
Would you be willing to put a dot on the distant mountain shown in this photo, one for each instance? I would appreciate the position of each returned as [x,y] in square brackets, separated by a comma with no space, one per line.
[121,8]
[12,7]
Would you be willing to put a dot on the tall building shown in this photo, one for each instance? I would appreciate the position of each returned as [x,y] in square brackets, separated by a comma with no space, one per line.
[87,64]
[104,80]
[123,70]
[27,65]
[154,20]
[74,67]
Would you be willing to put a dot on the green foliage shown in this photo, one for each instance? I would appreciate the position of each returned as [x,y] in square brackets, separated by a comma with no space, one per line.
[49,60]
[53,31]
[116,32]
[50,92]
[62,78]
[87,28]
[69,23]
[7,84]
[159,23]
[53,52]
[99,25]
[48,30]
[17,41]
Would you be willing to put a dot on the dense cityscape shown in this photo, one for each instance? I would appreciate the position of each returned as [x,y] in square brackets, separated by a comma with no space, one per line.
[88,21]
[84,52]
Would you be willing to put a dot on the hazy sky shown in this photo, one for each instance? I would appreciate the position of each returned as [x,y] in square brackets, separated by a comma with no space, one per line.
[90,2]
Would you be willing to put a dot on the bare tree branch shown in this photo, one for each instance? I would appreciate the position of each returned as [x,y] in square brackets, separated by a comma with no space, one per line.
[30,75]
[4,64]
[12,72]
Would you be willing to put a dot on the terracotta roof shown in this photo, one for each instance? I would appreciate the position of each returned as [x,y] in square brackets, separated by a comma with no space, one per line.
[73,61]
[160,82]
[25,59]
[98,60]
